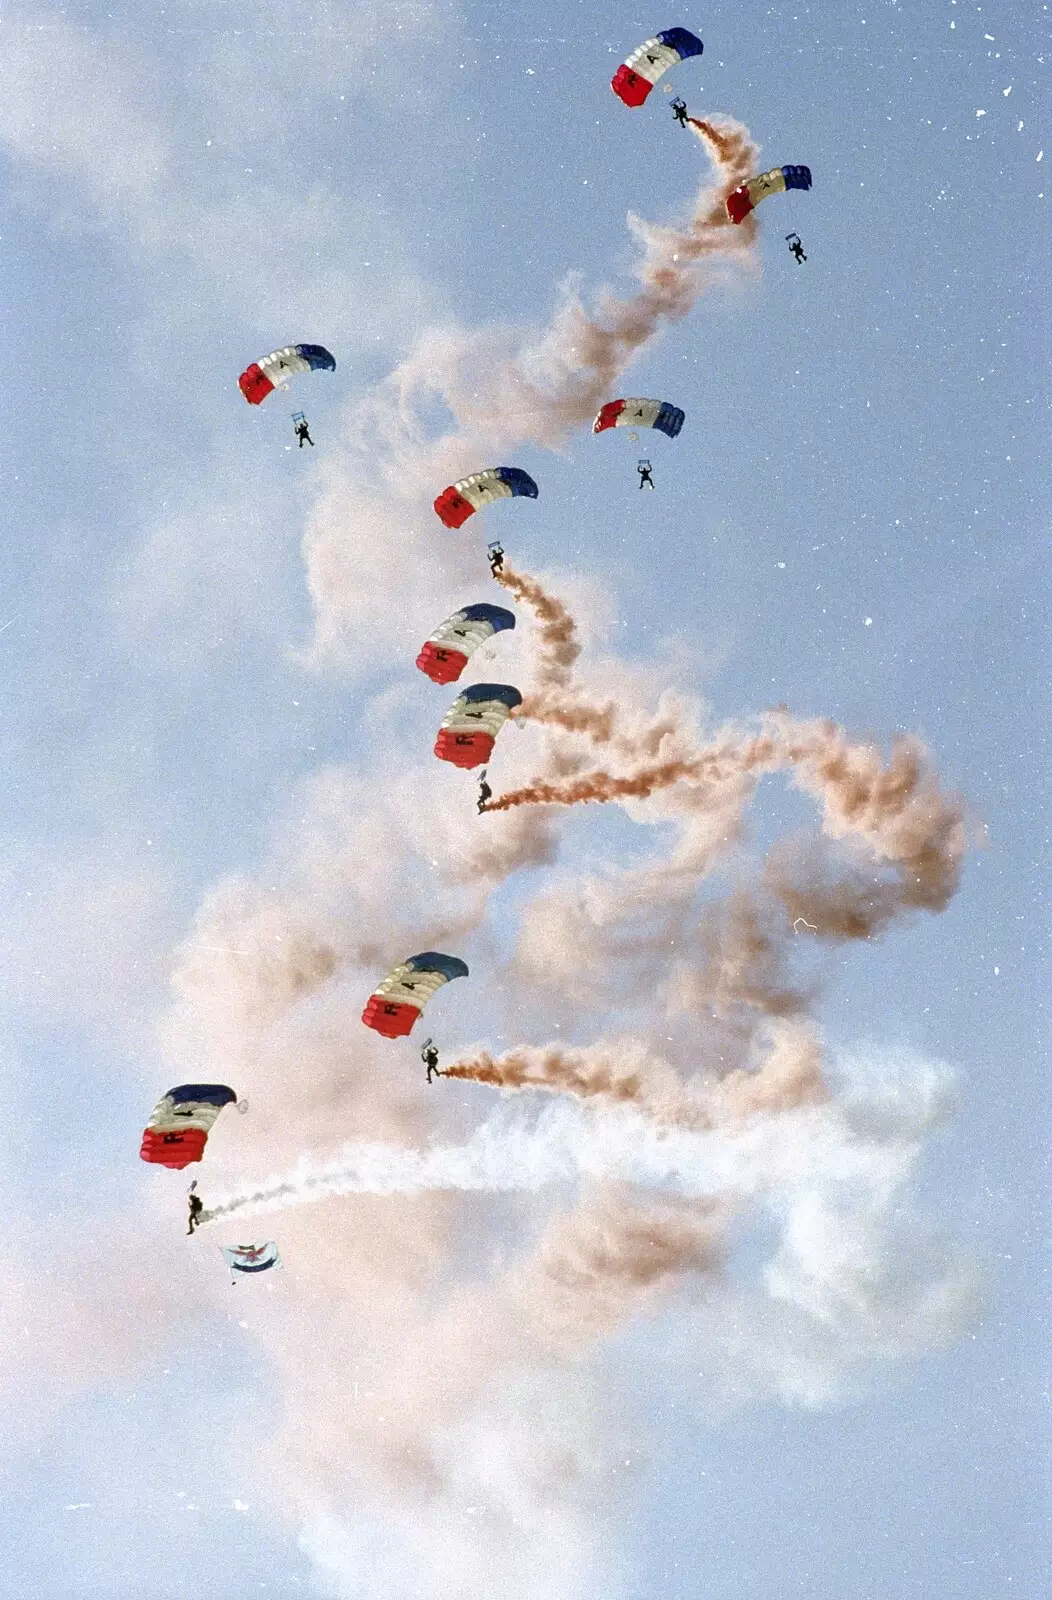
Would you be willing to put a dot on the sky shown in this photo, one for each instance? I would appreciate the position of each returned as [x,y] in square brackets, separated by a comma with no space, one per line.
[718,1265]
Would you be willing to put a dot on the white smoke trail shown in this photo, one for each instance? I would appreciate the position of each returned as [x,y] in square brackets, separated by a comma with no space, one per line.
[567,1144]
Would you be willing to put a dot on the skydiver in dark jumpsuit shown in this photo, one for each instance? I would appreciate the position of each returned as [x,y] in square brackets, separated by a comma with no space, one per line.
[496,559]
[197,1206]
[303,436]
[679,111]
[485,792]
[644,474]
[429,1056]
[796,247]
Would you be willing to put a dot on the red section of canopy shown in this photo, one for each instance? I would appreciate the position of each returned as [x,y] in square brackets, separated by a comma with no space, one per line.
[393,1018]
[738,204]
[453,508]
[629,86]
[254,384]
[440,664]
[176,1149]
[608,416]
[463,749]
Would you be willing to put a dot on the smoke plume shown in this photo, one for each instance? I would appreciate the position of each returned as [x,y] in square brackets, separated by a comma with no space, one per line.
[458,1264]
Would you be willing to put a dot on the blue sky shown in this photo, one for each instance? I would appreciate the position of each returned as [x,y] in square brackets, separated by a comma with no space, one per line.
[218,774]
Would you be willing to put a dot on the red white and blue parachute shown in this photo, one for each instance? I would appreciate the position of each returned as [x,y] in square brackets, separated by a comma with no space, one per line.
[393,1008]
[461,500]
[635,78]
[748,195]
[179,1127]
[658,414]
[447,652]
[475,718]
[251,1257]
[257,381]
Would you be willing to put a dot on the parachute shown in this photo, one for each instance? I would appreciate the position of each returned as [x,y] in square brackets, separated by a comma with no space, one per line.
[251,1257]
[635,78]
[748,195]
[461,500]
[658,414]
[446,654]
[176,1132]
[257,381]
[474,720]
[394,1007]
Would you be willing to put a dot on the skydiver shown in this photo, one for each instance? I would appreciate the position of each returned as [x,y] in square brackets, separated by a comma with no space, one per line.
[679,111]
[644,474]
[429,1056]
[302,434]
[485,792]
[796,247]
[496,558]
[197,1206]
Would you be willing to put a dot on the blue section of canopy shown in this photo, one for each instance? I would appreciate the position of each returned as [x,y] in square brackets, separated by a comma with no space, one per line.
[435,961]
[669,419]
[319,358]
[493,691]
[496,616]
[797,177]
[518,482]
[682,41]
[213,1094]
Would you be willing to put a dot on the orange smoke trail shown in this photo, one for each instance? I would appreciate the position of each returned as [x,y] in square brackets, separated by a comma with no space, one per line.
[601,348]
[505,387]
[560,646]
[895,806]
[559,650]
[718,764]
[626,1073]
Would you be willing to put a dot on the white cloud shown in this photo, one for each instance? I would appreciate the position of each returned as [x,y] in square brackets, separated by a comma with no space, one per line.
[73,106]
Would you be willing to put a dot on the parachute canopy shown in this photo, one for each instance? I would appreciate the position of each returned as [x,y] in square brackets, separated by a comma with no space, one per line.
[461,500]
[640,414]
[176,1133]
[635,78]
[748,195]
[475,718]
[251,1257]
[446,654]
[394,1007]
[257,381]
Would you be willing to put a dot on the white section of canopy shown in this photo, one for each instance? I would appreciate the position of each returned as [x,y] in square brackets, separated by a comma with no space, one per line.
[480,716]
[460,633]
[638,413]
[482,488]
[281,364]
[652,60]
[767,183]
[167,1118]
[410,987]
